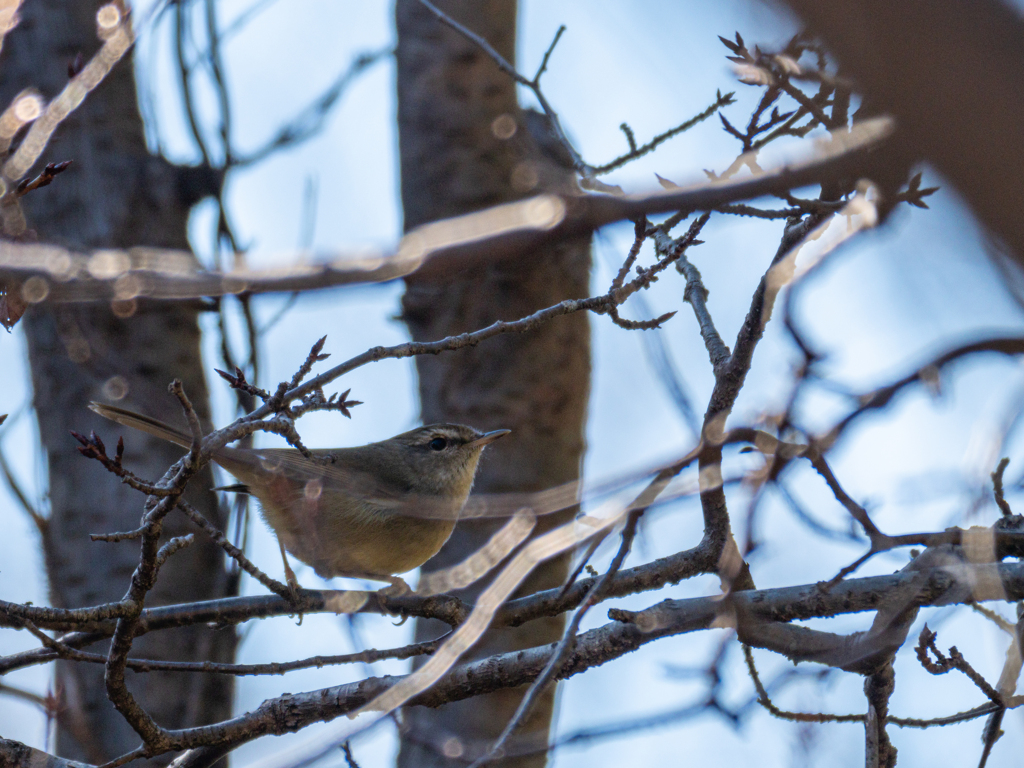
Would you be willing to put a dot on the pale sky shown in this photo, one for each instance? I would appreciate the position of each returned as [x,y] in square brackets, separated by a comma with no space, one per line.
[887,302]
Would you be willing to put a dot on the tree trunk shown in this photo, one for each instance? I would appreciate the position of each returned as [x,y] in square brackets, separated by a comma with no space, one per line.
[115,195]
[958,99]
[455,158]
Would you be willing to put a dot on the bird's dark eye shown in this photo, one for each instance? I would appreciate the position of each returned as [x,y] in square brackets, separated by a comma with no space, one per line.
[438,444]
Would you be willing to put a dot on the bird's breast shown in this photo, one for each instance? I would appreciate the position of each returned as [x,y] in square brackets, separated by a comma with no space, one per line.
[339,534]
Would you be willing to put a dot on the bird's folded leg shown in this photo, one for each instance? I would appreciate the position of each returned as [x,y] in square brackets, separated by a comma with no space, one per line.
[397,588]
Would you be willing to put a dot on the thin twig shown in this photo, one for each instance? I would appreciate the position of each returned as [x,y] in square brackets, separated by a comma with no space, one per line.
[534,85]
[234,552]
[436,248]
[997,487]
[271,668]
[637,152]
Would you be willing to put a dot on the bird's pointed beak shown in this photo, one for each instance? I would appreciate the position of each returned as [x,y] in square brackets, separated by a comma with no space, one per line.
[487,438]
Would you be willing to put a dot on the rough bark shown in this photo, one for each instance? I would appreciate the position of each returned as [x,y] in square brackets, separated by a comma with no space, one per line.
[452,162]
[115,194]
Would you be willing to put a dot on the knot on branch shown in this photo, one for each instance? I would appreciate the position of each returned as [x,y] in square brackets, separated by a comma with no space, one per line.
[694,282]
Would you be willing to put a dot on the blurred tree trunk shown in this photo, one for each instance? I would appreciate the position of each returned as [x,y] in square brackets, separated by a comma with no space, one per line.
[115,195]
[455,159]
[952,74]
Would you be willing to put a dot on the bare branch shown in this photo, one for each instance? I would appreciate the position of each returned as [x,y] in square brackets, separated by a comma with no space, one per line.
[502,232]
[637,152]
[234,552]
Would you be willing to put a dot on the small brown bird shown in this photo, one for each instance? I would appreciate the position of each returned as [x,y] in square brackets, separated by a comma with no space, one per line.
[372,512]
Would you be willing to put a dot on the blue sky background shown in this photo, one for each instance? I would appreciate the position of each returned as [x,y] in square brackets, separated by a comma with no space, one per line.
[884,304]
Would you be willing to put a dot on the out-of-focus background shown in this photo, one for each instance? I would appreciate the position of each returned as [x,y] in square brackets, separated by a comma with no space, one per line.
[889,301]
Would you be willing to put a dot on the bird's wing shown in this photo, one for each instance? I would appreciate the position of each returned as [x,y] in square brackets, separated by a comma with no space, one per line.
[385,496]
[265,463]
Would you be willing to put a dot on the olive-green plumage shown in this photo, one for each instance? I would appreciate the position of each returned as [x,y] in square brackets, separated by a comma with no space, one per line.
[374,511]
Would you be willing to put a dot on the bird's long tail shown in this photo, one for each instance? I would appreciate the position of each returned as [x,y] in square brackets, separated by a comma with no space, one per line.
[239,463]
[142,423]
